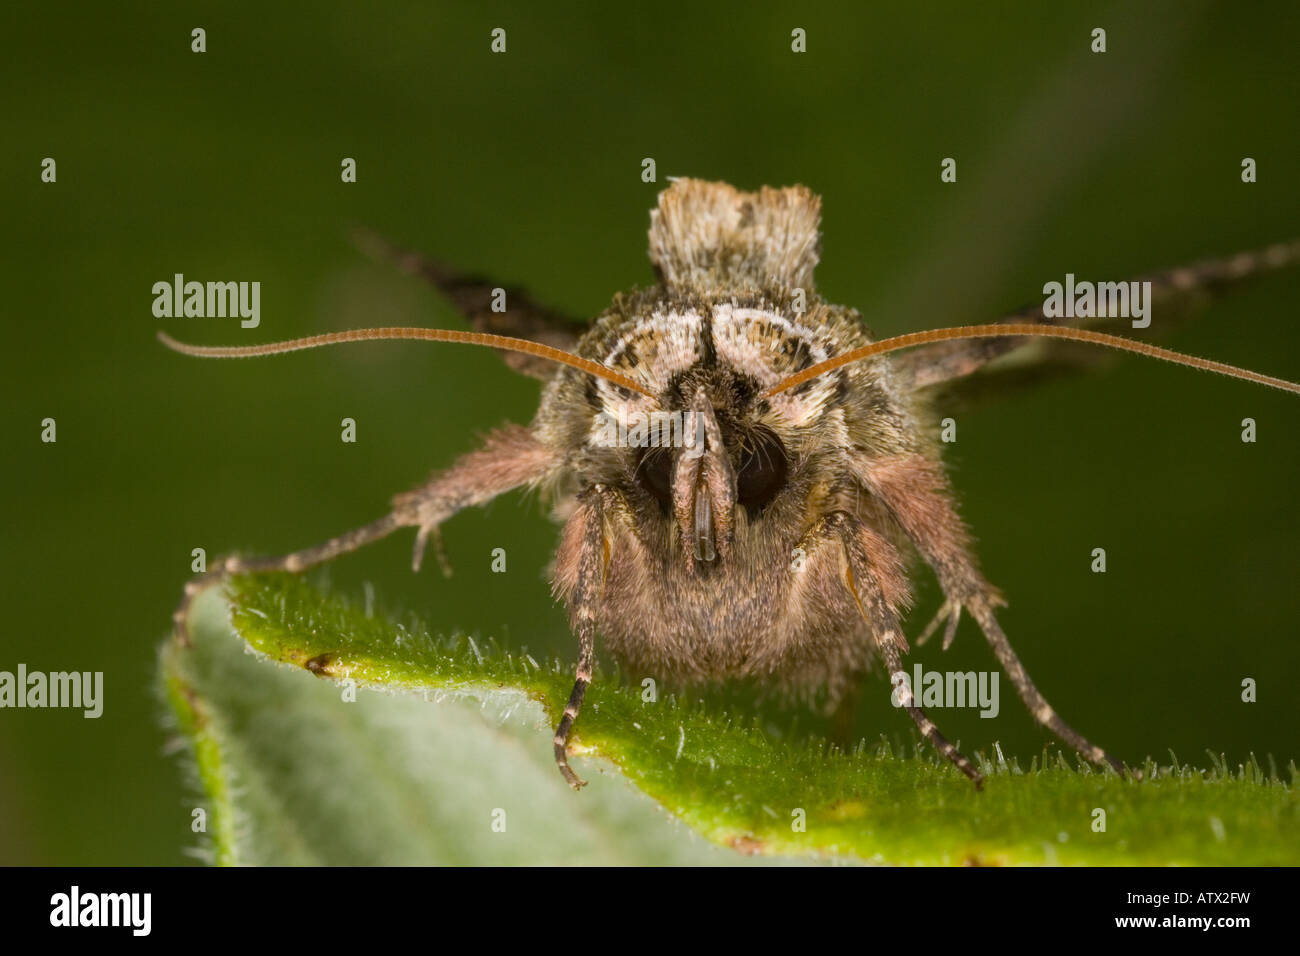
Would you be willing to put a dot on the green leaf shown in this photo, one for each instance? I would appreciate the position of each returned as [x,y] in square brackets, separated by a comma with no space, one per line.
[445,732]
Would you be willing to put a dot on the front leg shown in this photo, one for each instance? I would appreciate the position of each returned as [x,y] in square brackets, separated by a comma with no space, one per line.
[914,490]
[867,557]
[510,457]
[580,578]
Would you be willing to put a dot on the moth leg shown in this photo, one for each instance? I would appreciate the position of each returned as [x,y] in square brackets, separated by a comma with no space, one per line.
[587,526]
[916,493]
[1037,704]
[294,561]
[473,296]
[510,456]
[947,361]
[864,550]
[949,614]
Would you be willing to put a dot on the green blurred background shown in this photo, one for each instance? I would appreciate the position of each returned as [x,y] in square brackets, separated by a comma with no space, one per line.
[225,166]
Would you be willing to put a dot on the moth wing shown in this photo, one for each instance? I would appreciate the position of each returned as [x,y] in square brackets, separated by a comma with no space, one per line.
[978,368]
[474,296]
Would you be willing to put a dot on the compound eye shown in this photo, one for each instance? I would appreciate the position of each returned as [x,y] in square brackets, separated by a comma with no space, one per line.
[654,474]
[762,471]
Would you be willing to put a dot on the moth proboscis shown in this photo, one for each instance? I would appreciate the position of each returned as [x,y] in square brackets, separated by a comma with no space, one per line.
[797,435]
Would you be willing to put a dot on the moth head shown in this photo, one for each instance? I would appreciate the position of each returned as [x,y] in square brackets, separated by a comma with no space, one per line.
[716,465]
[706,452]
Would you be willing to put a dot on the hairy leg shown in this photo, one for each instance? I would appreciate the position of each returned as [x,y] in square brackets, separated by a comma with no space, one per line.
[915,491]
[584,543]
[866,552]
[510,457]
[294,561]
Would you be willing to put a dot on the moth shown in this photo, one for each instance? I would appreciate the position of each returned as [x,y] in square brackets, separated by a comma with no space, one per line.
[772,538]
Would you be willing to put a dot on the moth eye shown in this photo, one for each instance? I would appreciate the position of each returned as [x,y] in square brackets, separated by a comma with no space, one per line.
[654,474]
[762,470]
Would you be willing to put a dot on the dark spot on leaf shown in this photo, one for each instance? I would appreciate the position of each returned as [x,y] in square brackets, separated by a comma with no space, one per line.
[748,845]
[320,664]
